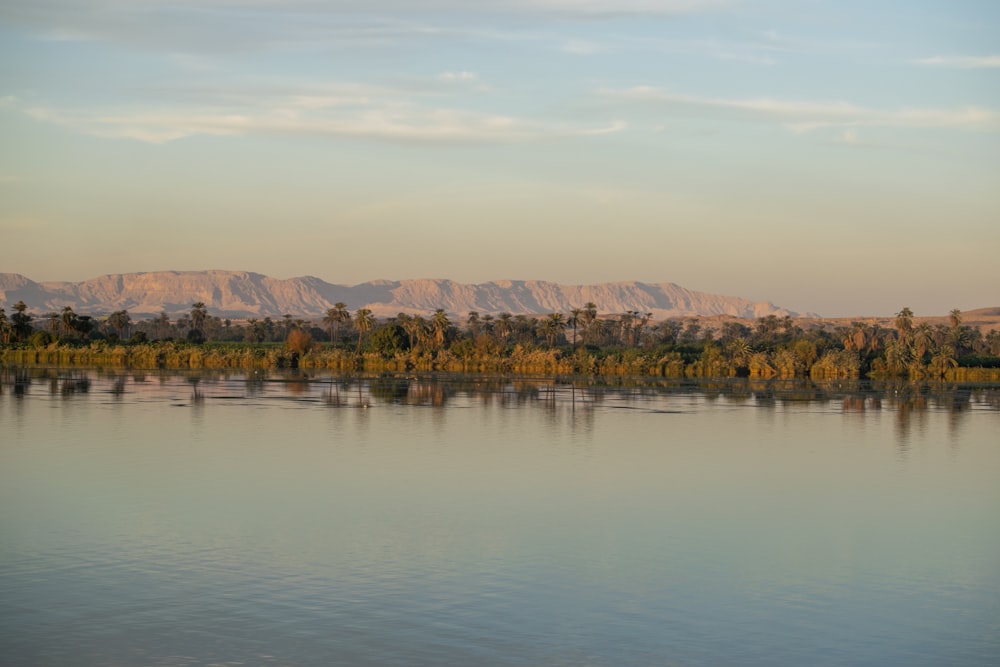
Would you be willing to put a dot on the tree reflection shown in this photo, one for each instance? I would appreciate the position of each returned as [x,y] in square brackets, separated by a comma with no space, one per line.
[907,400]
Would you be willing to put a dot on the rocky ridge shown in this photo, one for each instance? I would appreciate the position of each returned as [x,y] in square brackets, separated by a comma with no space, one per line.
[241,294]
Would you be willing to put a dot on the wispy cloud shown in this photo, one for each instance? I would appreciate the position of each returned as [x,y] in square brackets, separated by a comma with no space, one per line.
[458,76]
[850,137]
[377,115]
[221,25]
[961,62]
[581,47]
[449,82]
[806,115]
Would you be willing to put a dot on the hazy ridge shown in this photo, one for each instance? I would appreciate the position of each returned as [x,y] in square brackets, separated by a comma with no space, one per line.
[241,294]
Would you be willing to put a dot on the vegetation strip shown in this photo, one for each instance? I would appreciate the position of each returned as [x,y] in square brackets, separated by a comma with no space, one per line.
[578,343]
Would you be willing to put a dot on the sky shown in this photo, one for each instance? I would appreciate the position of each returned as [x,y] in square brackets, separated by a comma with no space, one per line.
[840,157]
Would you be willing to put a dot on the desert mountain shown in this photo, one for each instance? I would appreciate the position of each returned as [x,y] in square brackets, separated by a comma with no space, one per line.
[239,294]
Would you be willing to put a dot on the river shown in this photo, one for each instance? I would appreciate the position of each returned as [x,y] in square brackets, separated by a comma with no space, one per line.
[282,519]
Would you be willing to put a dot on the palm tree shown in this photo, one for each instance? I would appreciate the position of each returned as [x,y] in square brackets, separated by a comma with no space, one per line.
[504,327]
[163,325]
[921,340]
[68,320]
[589,315]
[959,338]
[488,324]
[644,319]
[524,328]
[83,325]
[625,322]
[855,338]
[895,356]
[739,351]
[417,329]
[955,317]
[363,322]
[20,321]
[198,313]
[120,321]
[5,330]
[671,329]
[334,318]
[257,330]
[553,325]
[473,324]
[575,317]
[943,359]
[876,337]
[53,319]
[904,322]
[440,323]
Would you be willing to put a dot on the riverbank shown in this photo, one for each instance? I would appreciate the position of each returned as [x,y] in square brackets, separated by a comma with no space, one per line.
[835,364]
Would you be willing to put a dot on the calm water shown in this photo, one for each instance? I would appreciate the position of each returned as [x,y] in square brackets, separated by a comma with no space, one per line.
[165,519]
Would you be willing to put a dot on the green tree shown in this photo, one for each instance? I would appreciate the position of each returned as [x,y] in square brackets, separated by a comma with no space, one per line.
[904,323]
[739,351]
[440,324]
[589,317]
[21,321]
[473,323]
[388,340]
[363,322]
[504,327]
[639,327]
[334,318]
[198,314]
[960,338]
[896,354]
[119,320]
[921,340]
[405,322]
[552,327]
[942,360]
[40,338]
[855,338]
[625,321]
[53,323]
[670,331]
[255,331]
[574,319]
[67,321]
[417,330]
[163,325]
[268,326]
[692,332]
[84,325]
[5,328]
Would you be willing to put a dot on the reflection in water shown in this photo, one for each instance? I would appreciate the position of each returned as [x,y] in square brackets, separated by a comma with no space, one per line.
[118,385]
[907,399]
[273,518]
[908,402]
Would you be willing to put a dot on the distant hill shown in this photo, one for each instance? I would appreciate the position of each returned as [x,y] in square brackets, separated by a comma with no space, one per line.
[240,294]
[984,319]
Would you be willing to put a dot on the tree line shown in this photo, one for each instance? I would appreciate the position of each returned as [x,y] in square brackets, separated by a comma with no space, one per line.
[580,341]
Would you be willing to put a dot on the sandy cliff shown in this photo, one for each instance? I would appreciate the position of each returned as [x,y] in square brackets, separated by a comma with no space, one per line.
[239,294]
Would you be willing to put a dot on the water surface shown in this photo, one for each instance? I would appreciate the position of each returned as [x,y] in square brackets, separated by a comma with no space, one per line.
[171,519]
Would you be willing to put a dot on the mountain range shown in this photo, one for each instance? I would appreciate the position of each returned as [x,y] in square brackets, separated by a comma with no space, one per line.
[241,294]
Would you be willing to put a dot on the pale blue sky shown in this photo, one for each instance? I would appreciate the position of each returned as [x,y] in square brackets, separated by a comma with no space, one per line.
[839,157]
